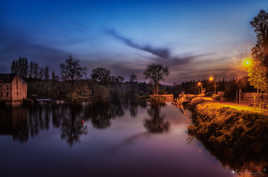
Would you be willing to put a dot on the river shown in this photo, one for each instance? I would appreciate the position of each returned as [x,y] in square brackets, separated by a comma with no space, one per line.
[120,140]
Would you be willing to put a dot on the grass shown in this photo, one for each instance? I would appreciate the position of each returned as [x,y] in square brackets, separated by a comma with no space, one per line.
[236,134]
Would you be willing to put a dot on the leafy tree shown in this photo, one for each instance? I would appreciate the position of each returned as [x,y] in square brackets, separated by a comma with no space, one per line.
[257,76]
[54,76]
[31,71]
[20,67]
[120,79]
[41,73]
[133,78]
[101,75]
[46,73]
[71,70]
[35,70]
[260,25]
[156,72]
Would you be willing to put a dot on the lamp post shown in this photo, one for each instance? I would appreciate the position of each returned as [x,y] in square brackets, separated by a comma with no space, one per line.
[247,63]
[211,79]
[199,84]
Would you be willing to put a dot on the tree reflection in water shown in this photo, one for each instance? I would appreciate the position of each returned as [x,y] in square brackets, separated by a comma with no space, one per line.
[72,125]
[25,123]
[156,123]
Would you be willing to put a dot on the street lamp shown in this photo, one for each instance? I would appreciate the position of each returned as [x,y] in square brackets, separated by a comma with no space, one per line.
[247,62]
[199,84]
[211,79]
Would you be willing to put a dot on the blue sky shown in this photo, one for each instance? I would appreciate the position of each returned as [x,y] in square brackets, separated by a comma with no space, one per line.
[202,37]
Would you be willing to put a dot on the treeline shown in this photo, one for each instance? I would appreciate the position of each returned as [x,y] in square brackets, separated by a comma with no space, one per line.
[73,81]
[31,70]
[229,87]
[70,70]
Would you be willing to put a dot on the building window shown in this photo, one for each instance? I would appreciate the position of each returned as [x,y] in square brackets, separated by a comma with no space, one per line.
[7,94]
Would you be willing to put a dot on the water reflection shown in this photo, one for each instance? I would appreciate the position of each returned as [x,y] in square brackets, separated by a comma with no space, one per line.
[157,122]
[72,126]
[27,122]
[246,158]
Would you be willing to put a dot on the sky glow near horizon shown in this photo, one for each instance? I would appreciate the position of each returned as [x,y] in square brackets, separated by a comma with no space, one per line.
[202,37]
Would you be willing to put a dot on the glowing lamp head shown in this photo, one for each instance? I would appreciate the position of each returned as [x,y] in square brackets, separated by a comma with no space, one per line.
[199,84]
[211,78]
[247,62]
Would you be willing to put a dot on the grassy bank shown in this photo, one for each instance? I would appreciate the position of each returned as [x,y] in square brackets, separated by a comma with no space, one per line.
[226,123]
[236,135]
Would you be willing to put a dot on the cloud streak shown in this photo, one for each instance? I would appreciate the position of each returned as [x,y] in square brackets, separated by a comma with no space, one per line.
[158,52]
[161,55]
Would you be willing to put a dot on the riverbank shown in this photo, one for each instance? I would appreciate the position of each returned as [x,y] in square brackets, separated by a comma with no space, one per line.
[237,135]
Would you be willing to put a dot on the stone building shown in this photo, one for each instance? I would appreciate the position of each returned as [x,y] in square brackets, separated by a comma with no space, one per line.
[13,89]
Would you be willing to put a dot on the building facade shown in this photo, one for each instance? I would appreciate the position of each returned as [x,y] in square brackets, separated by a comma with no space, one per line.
[13,89]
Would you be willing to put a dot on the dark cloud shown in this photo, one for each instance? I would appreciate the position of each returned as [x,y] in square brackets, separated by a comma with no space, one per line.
[160,55]
[158,52]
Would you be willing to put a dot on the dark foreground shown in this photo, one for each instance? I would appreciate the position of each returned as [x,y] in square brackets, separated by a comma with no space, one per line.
[122,140]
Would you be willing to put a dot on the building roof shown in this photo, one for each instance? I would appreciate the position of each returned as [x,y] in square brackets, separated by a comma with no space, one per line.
[7,78]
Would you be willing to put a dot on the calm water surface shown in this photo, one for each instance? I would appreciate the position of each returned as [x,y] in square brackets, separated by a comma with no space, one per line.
[102,140]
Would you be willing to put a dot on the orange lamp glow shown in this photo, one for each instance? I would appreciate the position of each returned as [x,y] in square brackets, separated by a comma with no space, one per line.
[247,62]
[199,84]
[211,78]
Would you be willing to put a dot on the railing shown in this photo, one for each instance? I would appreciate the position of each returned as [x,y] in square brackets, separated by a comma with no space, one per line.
[164,97]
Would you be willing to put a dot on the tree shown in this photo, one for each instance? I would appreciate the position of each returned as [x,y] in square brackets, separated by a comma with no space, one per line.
[35,70]
[101,75]
[71,70]
[156,72]
[54,76]
[31,72]
[260,25]
[46,73]
[41,73]
[120,79]
[20,67]
[257,76]
[133,78]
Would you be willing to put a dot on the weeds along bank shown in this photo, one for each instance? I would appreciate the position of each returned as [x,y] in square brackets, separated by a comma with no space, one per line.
[227,124]
[236,135]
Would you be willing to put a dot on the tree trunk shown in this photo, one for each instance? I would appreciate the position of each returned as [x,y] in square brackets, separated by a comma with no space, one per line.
[156,88]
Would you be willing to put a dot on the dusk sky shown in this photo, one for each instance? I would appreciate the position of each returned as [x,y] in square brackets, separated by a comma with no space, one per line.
[195,38]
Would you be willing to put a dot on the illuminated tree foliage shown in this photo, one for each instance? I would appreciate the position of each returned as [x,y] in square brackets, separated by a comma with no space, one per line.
[257,76]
